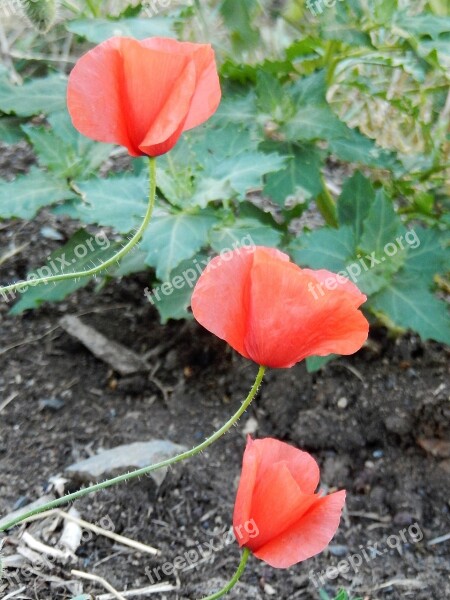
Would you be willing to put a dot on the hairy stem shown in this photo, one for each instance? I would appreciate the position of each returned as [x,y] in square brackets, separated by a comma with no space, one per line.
[145,470]
[125,250]
[235,578]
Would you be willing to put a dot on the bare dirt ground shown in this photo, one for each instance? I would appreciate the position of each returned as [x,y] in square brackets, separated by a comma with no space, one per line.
[376,423]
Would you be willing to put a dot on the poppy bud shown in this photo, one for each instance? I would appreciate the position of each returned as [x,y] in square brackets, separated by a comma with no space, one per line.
[41,13]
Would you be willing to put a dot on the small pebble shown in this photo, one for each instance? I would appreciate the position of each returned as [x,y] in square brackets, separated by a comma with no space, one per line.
[51,403]
[342,402]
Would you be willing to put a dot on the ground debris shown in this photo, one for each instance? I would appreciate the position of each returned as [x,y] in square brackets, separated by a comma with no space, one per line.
[121,359]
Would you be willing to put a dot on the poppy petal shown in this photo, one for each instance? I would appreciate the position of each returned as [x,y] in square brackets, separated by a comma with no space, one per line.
[288,323]
[277,504]
[243,504]
[343,284]
[309,536]
[143,94]
[95,95]
[302,466]
[207,93]
[220,298]
[259,458]
[155,112]
[169,125]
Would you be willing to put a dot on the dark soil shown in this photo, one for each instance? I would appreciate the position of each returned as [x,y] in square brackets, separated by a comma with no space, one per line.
[361,418]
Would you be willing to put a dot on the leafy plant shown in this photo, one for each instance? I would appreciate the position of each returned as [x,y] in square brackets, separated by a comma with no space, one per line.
[288,121]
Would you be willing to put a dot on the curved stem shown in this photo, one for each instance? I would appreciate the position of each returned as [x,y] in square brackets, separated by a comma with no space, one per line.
[129,246]
[144,470]
[235,578]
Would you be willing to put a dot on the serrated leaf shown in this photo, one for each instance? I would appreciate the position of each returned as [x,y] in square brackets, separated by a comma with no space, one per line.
[10,130]
[118,202]
[354,203]
[51,150]
[26,195]
[236,109]
[82,252]
[235,176]
[44,95]
[197,156]
[313,117]
[99,30]
[382,251]
[426,255]
[87,155]
[314,123]
[244,232]
[172,238]
[409,305]
[358,148]
[381,226]
[173,299]
[301,177]
[425,24]
[272,98]
[325,248]
[133,262]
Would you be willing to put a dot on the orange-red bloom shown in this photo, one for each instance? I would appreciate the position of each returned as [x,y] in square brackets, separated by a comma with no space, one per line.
[277,515]
[143,94]
[275,313]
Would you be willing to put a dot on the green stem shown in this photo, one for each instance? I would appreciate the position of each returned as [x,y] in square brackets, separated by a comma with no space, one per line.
[89,272]
[95,10]
[235,579]
[144,470]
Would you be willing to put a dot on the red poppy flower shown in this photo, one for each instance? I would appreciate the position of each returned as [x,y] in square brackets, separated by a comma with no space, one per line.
[275,313]
[277,515]
[143,94]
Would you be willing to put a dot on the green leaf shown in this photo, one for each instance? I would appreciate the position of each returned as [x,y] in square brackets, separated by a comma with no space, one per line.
[426,256]
[99,30]
[172,238]
[381,226]
[238,18]
[87,155]
[354,202]
[315,363]
[314,123]
[271,97]
[383,251]
[300,178]
[235,176]
[236,109]
[412,306]
[51,150]
[313,118]
[325,248]
[424,24]
[358,148]
[10,130]
[44,95]
[173,298]
[82,252]
[26,195]
[118,202]
[245,231]
[133,262]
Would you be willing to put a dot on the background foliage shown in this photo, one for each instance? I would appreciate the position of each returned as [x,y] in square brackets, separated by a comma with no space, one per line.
[338,119]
